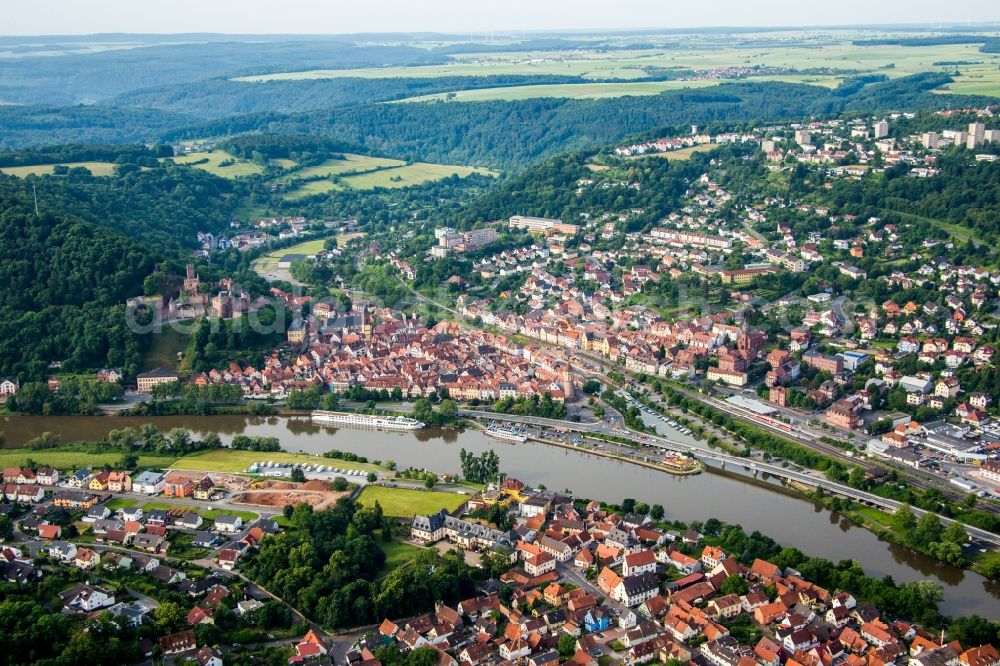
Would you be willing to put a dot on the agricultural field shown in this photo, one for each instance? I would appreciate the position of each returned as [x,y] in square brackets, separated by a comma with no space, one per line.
[74,460]
[412,174]
[406,502]
[566,90]
[824,52]
[219,163]
[683,153]
[975,80]
[95,168]
[351,162]
[311,188]
[269,262]
[121,503]
[212,514]
[393,177]
[235,461]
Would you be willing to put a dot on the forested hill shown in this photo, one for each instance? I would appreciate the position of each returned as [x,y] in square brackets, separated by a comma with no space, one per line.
[32,125]
[551,190]
[512,134]
[221,97]
[164,207]
[66,272]
[75,79]
[65,282]
[504,134]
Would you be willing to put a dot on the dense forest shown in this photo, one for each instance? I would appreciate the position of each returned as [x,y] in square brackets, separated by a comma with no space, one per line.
[503,134]
[68,270]
[989,43]
[550,190]
[75,152]
[76,79]
[331,568]
[162,206]
[33,124]
[65,284]
[965,193]
[511,134]
[216,98]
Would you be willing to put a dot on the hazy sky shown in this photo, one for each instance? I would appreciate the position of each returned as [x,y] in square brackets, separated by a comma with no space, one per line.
[50,17]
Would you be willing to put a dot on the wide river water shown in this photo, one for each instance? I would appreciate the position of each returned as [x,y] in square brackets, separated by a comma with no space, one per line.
[729,495]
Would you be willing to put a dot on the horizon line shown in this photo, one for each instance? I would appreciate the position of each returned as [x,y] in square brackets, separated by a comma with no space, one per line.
[951,25]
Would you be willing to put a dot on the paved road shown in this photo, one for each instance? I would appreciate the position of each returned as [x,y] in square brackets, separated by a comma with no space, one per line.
[148,602]
[570,573]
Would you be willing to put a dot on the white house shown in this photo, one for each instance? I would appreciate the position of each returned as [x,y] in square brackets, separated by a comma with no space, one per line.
[83,598]
[32,494]
[95,513]
[8,387]
[131,513]
[634,590]
[247,606]
[228,558]
[47,476]
[226,523]
[641,562]
[149,483]
[62,551]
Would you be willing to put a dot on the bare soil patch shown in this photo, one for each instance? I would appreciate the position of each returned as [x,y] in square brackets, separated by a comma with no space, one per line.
[279,494]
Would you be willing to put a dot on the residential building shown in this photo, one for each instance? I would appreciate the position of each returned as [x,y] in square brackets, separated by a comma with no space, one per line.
[147,380]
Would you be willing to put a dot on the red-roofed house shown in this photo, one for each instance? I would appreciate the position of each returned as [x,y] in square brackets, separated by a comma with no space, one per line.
[199,615]
[49,531]
[634,564]
[984,655]
[311,646]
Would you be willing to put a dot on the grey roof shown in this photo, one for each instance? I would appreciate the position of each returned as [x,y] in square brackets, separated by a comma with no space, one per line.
[165,573]
[133,612]
[268,525]
[158,372]
[442,519]
[18,572]
[226,519]
[82,591]
[62,546]
[148,477]
[619,536]
[107,524]
[147,540]
[206,538]
[639,584]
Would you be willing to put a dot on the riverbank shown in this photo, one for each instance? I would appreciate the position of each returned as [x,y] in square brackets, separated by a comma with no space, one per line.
[731,495]
[696,466]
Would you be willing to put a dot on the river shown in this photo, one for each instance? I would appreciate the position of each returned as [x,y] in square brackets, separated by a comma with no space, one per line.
[729,495]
